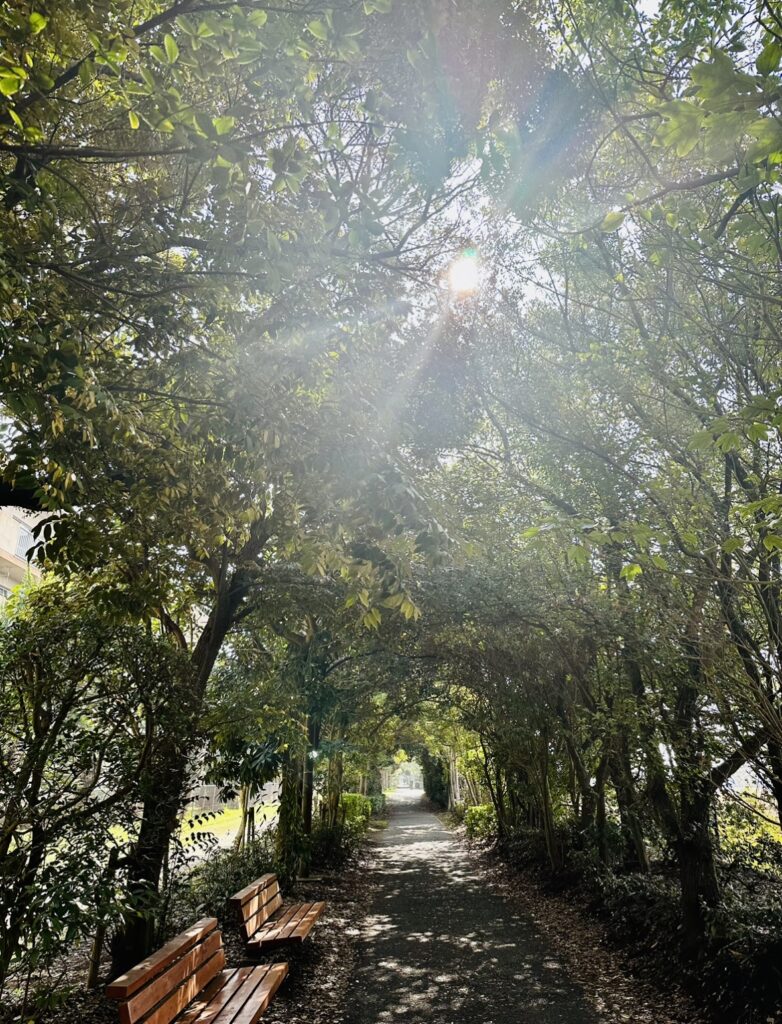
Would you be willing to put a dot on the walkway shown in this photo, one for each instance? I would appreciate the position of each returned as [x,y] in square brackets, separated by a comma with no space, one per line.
[439,947]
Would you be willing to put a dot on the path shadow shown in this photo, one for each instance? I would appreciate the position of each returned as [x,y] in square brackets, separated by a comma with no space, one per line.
[439,946]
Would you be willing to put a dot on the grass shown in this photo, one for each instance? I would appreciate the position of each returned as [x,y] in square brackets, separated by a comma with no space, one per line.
[223,824]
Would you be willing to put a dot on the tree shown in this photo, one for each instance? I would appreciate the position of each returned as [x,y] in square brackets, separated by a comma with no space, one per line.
[87,705]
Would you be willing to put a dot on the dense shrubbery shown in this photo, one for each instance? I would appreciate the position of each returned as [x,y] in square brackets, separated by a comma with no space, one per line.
[378,801]
[206,889]
[481,821]
[435,774]
[332,846]
[355,807]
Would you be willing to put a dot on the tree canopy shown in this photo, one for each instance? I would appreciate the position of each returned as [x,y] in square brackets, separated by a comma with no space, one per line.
[308,495]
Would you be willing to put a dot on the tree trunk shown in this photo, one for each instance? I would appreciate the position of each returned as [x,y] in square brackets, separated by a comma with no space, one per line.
[636,857]
[164,783]
[308,781]
[600,811]
[244,805]
[289,825]
[697,874]
[549,833]
[164,779]
[774,751]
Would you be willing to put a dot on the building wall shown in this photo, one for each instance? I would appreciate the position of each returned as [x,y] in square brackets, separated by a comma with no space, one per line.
[15,539]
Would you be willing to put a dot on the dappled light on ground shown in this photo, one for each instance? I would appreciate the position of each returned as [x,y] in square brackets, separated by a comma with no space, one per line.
[440,947]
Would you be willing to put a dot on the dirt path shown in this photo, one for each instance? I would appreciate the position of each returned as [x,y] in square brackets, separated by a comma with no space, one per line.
[441,946]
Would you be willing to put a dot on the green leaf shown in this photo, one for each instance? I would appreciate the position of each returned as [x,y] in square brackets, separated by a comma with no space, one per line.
[133,118]
[729,441]
[86,71]
[701,440]
[630,571]
[732,544]
[223,125]
[38,22]
[172,50]
[159,54]
[318,29]
[578,554]
[9,84]
[770,56]
[771,542]
[612,221]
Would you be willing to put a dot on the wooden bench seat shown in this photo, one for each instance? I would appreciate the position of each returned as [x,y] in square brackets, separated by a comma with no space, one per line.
[263,919]
[186,981]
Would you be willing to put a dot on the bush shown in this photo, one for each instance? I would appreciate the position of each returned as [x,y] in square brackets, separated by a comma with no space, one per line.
[205,891]
[436,779]
[331,846]
[745,975]
[355,807]
[378,801]
[642,912]
[481,821]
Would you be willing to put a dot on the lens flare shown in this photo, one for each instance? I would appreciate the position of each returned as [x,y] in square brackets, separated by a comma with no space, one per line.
[464,274]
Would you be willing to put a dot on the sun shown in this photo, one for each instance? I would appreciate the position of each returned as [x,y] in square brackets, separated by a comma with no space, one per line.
[464,274]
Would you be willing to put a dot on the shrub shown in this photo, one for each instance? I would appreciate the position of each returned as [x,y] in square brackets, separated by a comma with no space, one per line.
[436,778]
[378,801]
[481,821]
[206,889]
[355,807]
[641,911]
[331,846]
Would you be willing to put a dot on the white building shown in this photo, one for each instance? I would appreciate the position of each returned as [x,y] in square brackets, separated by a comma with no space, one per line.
[16,539]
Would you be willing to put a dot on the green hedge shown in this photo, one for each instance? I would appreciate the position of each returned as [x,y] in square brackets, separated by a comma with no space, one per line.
[480,821]
[356,807]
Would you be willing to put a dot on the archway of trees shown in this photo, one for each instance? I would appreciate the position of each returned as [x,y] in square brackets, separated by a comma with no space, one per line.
[383,380]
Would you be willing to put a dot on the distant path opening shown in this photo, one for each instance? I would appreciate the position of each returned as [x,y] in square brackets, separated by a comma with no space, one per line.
[440,947]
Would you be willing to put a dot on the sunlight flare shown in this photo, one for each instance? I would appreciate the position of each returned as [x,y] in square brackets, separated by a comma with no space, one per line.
[464,274]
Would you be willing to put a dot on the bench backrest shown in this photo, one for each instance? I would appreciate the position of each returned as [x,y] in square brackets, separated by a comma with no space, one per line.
[159,988]
[256,903]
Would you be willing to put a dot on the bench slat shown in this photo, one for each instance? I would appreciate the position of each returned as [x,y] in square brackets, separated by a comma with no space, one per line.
[130,982]
[307,922]
[234,982]
[196,1008]
[293,926]
[286,929]
[170,979]
[185,994]
[250,907]
[253,888]
[262,994]
[252,924]
[274,926]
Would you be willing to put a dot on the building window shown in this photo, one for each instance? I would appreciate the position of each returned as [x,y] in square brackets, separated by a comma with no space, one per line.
[24,543]
[5,593]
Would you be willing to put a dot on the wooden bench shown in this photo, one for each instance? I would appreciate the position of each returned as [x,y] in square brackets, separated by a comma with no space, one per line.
[264,921]
[187,981]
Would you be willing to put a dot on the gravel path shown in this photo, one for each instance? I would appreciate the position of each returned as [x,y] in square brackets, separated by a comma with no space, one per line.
[441,946]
